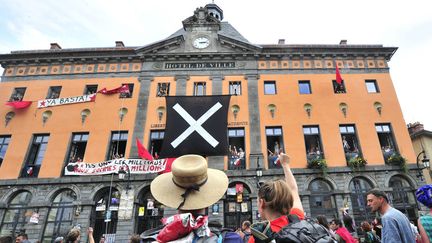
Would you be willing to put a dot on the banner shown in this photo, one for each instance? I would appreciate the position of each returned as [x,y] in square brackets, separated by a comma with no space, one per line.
[196,125]
[66,101]
[19,104]
[136,166]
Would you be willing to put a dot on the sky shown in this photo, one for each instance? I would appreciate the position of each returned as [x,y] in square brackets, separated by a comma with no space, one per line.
[34,24]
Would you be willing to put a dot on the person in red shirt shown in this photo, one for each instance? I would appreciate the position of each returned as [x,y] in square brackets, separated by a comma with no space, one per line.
[343,235]
[278,198]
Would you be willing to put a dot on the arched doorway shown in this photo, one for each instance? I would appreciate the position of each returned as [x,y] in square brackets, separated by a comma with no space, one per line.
[105,213]
[149,212]
[237,205]
[359,187]
[402,197]
[17,214]
[322,202]
[60,216]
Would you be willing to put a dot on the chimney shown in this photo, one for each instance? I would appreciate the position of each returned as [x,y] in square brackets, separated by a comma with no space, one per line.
[415,127]
[55,46]
[343,42]
[281,42]
[119,44]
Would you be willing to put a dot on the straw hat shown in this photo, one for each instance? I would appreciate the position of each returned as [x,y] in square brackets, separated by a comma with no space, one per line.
[190,185]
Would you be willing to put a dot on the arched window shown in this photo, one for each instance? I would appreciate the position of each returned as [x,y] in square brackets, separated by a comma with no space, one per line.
[237,205]
[402,197]
[17,214]
[149,212]
[359,187]
[105,213]
[322,202]
[60,216]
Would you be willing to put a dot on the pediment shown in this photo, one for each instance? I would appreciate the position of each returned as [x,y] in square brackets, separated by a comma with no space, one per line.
[237,45]
[169,43]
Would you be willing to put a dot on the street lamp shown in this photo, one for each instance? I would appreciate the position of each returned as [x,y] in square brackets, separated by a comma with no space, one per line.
[122,174]
[425,162]
[259,172]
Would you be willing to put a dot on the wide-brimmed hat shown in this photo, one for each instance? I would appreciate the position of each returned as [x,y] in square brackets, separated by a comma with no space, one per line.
[190,185]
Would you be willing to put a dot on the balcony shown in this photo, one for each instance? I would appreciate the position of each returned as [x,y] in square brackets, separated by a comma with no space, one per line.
[30,171]
[314,156]
[236,163]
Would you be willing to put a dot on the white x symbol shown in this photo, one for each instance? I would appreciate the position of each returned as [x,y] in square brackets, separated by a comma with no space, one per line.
[196,125]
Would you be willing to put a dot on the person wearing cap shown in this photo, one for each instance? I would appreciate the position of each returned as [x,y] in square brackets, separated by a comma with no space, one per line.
[396,226]
[424,195]
[59,239]
[190,187]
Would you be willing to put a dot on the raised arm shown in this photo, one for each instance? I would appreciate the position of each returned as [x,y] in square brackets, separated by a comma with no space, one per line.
[290,180]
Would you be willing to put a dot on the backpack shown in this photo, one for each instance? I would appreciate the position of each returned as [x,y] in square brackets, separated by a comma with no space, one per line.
[297,231]
[231,237]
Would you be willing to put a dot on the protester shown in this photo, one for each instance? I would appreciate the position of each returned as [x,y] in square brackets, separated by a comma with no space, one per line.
[377,226]
[245,232]
[59,239]
[370,235]
[396,226]
[278,198]
[102,239]
[424,195]
[6,239]
[74,235]
[340,232]
[191,187]
[22,238]
[135,239]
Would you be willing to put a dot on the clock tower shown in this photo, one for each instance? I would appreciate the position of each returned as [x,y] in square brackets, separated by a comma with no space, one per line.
[202,28]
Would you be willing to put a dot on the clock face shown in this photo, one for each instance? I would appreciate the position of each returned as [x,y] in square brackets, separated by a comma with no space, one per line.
[201,42]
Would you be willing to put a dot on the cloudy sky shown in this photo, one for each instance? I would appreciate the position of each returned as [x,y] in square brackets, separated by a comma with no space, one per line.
[34,24]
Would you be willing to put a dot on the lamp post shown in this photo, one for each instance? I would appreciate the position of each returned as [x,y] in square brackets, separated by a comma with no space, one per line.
[258,172]
[122,173]
[425,164]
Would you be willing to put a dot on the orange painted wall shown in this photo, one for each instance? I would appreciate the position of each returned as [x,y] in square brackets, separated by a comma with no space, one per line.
[65,120]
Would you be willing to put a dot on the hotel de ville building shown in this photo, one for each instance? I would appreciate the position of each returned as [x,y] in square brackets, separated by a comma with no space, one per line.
[344,137]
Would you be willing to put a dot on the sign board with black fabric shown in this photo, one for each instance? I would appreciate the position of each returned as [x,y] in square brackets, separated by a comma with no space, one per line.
[196,125]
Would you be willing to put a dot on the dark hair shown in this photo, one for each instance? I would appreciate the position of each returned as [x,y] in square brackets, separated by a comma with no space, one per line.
[366,227]
[246,223]
[24,235]
[135,239]
[6,239]
[322,220]
[378,193]
[277,196]
[337,222]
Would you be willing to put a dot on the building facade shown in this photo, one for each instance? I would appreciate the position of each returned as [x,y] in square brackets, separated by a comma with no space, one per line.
[422,143]
[284,98]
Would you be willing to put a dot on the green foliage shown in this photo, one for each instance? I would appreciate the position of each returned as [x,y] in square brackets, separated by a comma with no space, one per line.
[357,163]
[397,159]
[318,163]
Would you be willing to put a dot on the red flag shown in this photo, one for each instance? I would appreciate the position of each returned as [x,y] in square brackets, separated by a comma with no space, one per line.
[19,104]
[168,165]
[142,152]
[122,89]
[338,76]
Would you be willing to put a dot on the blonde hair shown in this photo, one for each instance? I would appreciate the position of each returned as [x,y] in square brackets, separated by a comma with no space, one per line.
[277,196]
[73,235]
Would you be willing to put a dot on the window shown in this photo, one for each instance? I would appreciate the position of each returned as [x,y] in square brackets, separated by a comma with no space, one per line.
[350,142]
[78,147]
[199,89]
[322,202]
[371,86]
[304,87]
[163,89]
[127,94]
[274,145]
[35,156]
[156,139]
[105,204]
[17,214]
[149,213]
[339,88]
[54,92]
[312,138]
[60,216]
[269,87]
[4,143]
[236,140]
[235,88]
[118,143]
[18,94]
[90,89]
[387,143]
[361,212]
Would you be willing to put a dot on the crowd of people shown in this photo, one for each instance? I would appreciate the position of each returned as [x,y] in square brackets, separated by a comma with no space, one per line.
[191,187]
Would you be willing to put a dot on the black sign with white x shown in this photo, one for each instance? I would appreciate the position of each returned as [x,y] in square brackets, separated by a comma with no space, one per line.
[196,125]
